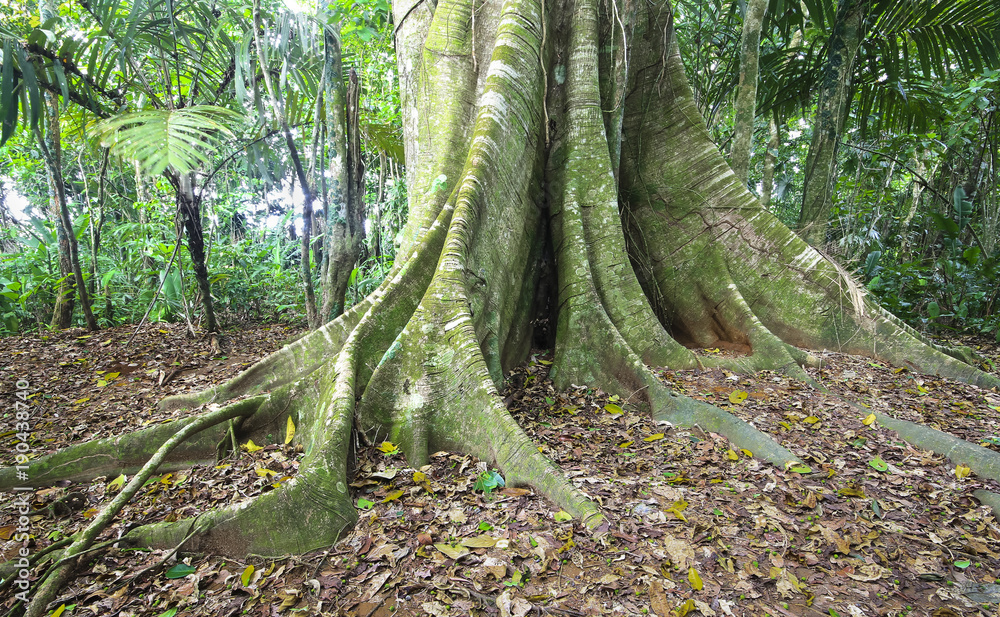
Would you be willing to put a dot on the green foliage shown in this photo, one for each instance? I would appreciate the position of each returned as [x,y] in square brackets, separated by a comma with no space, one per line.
[178,139]
[488,481]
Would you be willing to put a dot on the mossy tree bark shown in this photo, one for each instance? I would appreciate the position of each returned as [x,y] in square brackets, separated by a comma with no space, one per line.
[746,92]
[828,124]
[344,207]
[515,142]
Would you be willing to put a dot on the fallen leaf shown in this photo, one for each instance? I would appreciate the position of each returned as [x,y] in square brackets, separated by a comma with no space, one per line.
[654,437]
[878,464]
[695,579]
[393,496]
[658,598]
[454,552]
[117,483]
[246,576]
[251,446]
[180,571]
[562,516]
[613,409]
[736,397]
[481,541]
[289,431]
[962,471]
[869,420]
[387,447]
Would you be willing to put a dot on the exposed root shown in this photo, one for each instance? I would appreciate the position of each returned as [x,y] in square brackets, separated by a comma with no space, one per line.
[60,573]
[983,461]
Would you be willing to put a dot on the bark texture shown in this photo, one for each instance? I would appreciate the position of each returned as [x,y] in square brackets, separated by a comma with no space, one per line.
[828,124]
[746,93]
[344,220]
[517,147]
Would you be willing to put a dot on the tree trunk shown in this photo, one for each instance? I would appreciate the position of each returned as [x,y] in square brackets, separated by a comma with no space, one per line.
[345,213]
[62,313]
[189,207]
[770,157]
[746,93]
[828,125]
[69,258]
[510,159]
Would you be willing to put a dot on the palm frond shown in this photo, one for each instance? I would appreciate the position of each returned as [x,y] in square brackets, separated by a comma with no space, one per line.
[179,139]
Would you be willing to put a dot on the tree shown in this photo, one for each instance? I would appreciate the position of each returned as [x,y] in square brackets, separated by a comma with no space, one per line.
[877,37]
[512,143]
[746,94]
[69,260]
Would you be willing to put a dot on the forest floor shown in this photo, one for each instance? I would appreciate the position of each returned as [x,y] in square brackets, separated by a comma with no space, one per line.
[871,527]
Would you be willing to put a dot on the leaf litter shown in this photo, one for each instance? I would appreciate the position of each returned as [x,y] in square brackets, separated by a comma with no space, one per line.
[867,526]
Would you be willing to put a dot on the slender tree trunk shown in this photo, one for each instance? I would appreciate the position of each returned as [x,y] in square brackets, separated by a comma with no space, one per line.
[62,313]
[69,258]
[770,158]
[828,124]
[345,213]
[189,207]
[746,93]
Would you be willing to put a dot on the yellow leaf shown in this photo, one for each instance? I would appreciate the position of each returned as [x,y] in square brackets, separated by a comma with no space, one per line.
[289,430]
[388,447]
[545,362]
[736,397]
[393,496]
[746,453]
[811,420]
[695,579]
[251,446]
[455,552]
[962,471]
[101,383]
[869,420]
[685,608]
[562,516]
[625,444]
[613,409]
[732,455]
[677,508]
[786,425]
[264,473]
[81,401]
[90,512]
[654,437]
[117,483]
[164,332]
[419,476]
[111,376]
[247,574]
[713,350]
[58,611]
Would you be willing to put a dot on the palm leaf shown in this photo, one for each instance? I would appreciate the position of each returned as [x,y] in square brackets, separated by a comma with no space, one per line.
[180,139]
